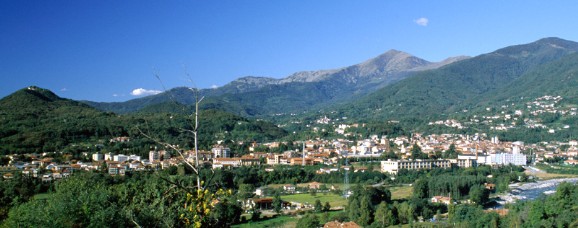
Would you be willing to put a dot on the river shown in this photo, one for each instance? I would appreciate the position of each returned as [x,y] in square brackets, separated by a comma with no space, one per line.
[531,191]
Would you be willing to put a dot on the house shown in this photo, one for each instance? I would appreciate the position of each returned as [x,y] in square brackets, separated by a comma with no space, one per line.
[336,224]
[226,162]
[260,203]
[8,176]
[264,203]
[361,169]
[260,191]
[249,161]
[46,178]
[57,175]
[490,186]
[289,188]
[571,162]
[314,185]
[441,199]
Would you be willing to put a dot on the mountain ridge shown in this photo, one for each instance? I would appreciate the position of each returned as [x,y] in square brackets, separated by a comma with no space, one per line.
[455,87]
[325,86]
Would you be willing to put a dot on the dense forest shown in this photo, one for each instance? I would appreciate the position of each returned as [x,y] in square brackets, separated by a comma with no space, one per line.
[35,120]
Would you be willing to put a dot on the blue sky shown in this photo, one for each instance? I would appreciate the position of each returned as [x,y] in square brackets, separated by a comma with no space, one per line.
[111,50]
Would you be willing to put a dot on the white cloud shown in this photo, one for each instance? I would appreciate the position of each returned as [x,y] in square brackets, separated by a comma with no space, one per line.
[422,21]
[63,90]
[214,86]
[144,92]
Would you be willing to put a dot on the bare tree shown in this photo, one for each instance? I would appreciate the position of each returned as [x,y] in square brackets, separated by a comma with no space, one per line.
[195,167]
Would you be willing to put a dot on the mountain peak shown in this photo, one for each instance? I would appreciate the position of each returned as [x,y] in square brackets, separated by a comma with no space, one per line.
[33,93]
[392,60]
[551,46]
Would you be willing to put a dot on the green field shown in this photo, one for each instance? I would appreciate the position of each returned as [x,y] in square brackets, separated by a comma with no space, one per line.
[401,192]
[285,221]
[333,199]
[279,221]
[42,196]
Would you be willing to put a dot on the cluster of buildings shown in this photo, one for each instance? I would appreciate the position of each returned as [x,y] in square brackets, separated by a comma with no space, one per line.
[515,115]
[473,150]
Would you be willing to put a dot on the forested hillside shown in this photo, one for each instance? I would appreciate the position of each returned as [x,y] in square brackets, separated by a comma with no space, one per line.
[36,120]
[446,90]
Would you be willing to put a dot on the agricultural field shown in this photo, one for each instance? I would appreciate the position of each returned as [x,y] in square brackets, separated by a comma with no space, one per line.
[336,201]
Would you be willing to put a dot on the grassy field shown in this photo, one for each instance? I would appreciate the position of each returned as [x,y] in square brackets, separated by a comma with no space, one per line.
[554,172]
[279,221]
[401,192]
[333,199]
[549,176]
[41,196]
[285,221]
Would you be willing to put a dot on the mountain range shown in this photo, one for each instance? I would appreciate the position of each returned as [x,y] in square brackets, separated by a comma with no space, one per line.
[301,91]
[466,84]
[392,86]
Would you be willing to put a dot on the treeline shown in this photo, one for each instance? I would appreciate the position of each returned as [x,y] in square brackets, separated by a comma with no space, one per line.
[257,176]
[99,200]
[463,185]
[556,210]
[19,190]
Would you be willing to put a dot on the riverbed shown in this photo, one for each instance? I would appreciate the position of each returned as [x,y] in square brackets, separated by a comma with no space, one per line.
[531,191]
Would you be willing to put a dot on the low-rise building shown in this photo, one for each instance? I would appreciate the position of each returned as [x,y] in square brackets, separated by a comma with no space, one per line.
[393,167]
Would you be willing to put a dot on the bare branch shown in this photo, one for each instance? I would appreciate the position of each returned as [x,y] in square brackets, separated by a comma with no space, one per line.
[171,147]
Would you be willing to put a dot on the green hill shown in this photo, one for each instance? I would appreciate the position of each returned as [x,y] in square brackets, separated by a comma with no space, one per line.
[443,91]
[36,120]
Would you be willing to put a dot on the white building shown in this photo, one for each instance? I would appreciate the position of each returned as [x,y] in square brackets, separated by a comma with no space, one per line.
[120,158]
[154,156]
[506,159]
[394,167]
[134,157]
[221,152]
[226,162]
[108,157]
[482,158]
[97,157]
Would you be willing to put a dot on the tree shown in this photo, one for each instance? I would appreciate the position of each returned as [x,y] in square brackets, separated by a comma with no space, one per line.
[226,213]
[420,189]
[313,192]
[416,152]
[353,208]
[479,194]
[318,206]
[383,216]
[308,221]
[246,191]
[366,212]
[277,202]
[255,213]
[451,152]
[405,213]
[326,207]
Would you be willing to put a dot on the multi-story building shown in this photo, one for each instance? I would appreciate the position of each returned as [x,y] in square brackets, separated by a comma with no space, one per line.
[506,159]
[393,167]
[221,152]
[120,158]
[97,157]
[154,156]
